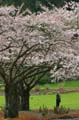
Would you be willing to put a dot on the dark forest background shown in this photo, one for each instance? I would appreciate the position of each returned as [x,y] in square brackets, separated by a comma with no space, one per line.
[35,5]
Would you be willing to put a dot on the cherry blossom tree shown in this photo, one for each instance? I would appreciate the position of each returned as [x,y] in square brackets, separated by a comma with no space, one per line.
[24,58]
[31,46]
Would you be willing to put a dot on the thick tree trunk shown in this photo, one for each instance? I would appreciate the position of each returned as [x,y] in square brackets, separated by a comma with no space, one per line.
[11,100]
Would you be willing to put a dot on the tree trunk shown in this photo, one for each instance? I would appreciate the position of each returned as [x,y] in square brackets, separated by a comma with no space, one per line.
[25,100]
[11,100]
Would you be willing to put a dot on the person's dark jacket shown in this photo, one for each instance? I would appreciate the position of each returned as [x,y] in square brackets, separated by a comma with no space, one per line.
[58,100]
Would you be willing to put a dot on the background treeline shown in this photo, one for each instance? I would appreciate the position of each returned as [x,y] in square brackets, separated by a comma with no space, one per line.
[35,5]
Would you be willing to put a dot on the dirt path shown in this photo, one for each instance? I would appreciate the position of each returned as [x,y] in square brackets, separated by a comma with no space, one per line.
[51,91]
[23,115]
[1,92]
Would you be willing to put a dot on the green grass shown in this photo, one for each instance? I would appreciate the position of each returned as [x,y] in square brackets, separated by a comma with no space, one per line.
[72,84]
[69,100]
[2,101]
[68,84]
[40,100]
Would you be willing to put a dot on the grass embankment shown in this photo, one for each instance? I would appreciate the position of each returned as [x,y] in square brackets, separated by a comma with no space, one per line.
[68,84]
[69,100]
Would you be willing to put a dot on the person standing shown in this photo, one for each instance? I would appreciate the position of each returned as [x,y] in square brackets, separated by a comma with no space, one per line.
[58,99]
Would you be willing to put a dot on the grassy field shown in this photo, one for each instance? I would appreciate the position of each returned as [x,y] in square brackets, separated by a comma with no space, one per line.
[69,100]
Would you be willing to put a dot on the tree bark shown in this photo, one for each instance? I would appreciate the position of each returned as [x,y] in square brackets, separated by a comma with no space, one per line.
[11,100]
[25,96]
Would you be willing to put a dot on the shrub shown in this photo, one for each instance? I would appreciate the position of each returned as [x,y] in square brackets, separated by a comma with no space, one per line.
[61,110]
[43,110]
